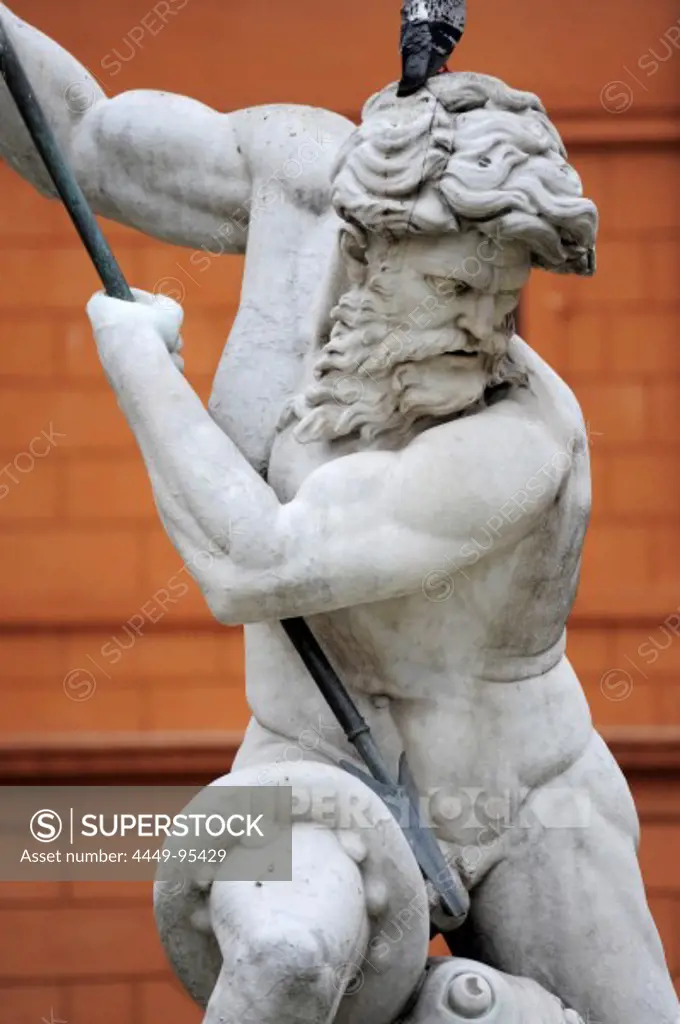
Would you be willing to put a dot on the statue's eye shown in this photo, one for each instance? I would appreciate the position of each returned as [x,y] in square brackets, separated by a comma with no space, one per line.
[448,287]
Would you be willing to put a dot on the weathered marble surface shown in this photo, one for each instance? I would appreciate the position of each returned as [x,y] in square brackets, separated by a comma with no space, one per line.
[383,455]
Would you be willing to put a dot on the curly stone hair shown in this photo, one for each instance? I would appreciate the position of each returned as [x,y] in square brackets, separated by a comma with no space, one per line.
[466,151]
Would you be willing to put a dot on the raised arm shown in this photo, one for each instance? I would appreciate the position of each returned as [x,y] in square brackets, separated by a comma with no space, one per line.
[162,163]
[366,527]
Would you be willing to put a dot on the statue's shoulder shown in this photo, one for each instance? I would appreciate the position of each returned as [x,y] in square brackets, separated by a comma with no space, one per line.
[533,419]
[561,405]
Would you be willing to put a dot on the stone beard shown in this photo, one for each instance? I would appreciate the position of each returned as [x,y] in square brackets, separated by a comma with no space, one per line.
[471,160]
[377,378]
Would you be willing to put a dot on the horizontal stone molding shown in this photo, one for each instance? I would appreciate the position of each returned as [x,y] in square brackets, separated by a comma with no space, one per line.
[174,757]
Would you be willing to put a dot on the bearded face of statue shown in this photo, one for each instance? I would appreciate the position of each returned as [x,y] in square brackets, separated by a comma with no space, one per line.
[421,334]
[448,197]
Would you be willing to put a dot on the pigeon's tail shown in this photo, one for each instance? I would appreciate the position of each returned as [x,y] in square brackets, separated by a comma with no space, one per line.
[426,47]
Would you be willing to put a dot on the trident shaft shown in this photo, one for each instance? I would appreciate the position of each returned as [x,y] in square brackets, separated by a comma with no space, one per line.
[395,792]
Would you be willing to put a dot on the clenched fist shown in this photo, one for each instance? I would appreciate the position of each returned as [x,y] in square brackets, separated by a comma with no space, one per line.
[115,321]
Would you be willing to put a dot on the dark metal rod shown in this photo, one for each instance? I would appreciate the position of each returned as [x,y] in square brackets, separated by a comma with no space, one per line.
[355,727]
[338,699]
[64,180]
[115,284]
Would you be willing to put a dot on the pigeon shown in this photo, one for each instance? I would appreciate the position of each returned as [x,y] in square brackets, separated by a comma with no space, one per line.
[430,32]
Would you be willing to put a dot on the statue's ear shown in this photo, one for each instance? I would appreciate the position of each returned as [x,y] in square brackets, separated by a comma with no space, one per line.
[353,250]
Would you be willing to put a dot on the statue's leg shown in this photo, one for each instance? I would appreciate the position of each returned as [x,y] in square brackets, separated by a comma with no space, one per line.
[566,905]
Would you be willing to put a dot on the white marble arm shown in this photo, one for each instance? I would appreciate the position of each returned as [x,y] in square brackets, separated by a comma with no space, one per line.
[366,527]
[164,164]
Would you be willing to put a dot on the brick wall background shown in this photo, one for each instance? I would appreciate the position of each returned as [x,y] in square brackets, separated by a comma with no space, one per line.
[613,339]
[86,567]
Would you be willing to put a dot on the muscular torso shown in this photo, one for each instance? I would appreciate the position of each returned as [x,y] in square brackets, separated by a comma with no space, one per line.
[473,663]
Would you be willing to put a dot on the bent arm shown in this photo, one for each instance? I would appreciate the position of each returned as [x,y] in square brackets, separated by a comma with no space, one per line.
[366,527]
[167,165]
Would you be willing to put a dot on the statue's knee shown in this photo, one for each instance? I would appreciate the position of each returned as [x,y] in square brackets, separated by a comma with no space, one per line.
[298,970]
[300,984]
[294,958]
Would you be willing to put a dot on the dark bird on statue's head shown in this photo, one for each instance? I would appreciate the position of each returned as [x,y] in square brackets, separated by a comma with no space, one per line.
[430,32]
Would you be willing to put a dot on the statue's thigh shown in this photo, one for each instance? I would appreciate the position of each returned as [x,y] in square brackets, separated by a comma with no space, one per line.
[566,905]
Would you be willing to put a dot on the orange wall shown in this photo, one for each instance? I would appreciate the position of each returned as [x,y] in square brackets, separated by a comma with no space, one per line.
[614,339]
[81,551]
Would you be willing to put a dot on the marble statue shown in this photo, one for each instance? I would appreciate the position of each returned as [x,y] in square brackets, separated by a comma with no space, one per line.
[383,455]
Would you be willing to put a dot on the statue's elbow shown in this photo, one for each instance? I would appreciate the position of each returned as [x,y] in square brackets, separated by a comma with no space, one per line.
[224,606]
[238,597]
[231,604]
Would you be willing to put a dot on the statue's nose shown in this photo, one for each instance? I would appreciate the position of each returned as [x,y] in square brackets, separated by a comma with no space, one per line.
[480,318]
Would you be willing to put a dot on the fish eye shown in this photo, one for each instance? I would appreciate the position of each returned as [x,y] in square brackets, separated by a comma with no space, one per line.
[471,996]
